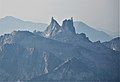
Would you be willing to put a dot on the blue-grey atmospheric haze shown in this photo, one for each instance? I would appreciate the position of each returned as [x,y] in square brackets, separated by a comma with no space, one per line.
[101,14]
[68,49]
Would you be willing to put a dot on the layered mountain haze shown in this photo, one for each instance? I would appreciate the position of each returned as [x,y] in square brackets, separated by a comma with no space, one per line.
[93,34]
[58,53]
[9,24]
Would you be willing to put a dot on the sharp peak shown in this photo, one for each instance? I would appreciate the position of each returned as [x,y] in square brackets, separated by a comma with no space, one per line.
[53,19]
[69,18]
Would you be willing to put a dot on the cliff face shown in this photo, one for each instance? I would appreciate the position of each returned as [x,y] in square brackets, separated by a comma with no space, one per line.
[54,28]
[60,54]
[68,26]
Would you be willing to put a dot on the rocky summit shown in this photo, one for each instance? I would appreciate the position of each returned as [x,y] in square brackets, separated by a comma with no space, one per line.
[57,54]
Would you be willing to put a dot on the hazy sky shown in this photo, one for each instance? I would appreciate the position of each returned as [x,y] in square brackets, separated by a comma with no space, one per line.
[97,13]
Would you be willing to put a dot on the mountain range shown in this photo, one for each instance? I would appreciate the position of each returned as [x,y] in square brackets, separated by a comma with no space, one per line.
[93,34]
[57,54]
[9,23]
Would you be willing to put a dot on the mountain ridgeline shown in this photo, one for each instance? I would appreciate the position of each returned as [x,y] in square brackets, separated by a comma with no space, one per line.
[9,23]
[54,28]
[113,44]
[57,54]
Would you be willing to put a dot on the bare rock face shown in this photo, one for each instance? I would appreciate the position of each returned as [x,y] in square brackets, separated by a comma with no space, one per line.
[68,26]
[58,53]
[52,29]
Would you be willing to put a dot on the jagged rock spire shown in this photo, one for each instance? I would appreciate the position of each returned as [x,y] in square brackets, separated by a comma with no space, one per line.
[53,20]
[68,25]
[71,19]
[52,29]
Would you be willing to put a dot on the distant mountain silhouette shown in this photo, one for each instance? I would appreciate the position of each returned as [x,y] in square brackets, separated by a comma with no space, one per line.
[57,54]
[9,24]
[93,34]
